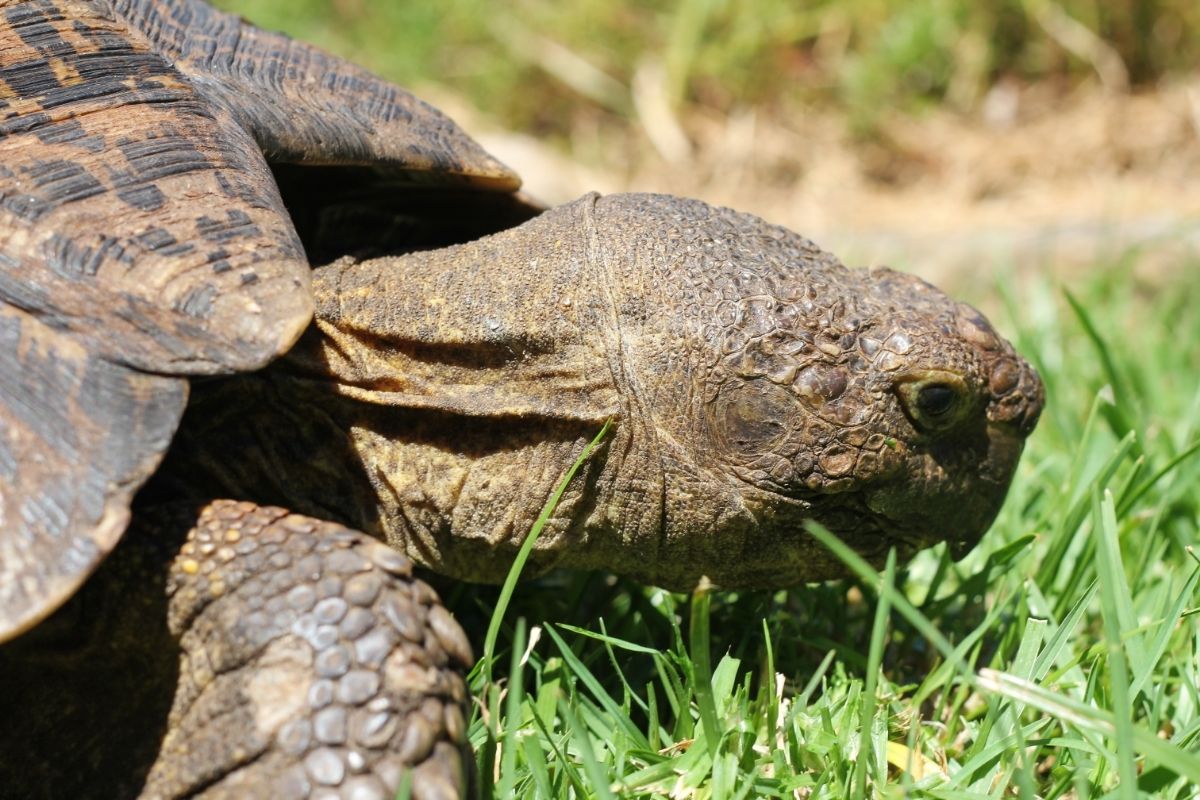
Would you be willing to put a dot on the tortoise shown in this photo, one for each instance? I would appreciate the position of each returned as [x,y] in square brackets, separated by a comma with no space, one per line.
[169,173]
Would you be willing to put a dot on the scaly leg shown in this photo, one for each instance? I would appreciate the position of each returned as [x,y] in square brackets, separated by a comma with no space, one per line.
[313,665]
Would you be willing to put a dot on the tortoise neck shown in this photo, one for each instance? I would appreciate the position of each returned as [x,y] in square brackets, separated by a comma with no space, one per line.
[438,401]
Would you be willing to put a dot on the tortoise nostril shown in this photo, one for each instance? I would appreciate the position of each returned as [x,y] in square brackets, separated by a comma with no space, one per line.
[1035,399]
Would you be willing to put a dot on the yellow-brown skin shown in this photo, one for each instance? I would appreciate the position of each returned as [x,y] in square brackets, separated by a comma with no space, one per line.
[755,383]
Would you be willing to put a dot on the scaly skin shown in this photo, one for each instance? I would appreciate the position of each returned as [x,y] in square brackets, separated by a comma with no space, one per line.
[312,661]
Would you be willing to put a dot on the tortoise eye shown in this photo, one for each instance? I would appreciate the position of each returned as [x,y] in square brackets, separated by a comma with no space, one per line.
[936,400]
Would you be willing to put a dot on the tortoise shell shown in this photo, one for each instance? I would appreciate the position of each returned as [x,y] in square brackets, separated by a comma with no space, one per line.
[144,238]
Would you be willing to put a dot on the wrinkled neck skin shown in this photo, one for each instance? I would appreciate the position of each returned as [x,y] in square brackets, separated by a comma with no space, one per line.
[468,380]
[755,384]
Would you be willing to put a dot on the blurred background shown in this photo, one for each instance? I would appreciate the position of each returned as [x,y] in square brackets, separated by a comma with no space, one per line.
[954,137]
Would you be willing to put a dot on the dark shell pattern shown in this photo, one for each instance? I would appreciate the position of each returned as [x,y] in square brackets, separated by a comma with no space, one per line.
[143,238]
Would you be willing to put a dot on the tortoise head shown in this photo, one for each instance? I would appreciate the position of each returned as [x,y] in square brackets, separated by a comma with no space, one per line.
[786,388]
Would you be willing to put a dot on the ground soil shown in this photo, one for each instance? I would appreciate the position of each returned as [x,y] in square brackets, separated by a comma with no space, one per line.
[1039,179]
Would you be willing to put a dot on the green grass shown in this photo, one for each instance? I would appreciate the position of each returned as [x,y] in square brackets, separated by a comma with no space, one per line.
[550,67]
[1060,659]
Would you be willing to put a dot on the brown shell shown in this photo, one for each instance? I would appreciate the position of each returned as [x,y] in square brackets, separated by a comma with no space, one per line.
[142,234]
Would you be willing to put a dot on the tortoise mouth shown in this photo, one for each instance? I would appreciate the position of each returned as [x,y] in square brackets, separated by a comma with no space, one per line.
[960,513]
[870,533]
[873,537]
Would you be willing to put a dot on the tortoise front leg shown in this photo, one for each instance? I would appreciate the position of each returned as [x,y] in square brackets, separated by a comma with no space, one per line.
[313,665]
